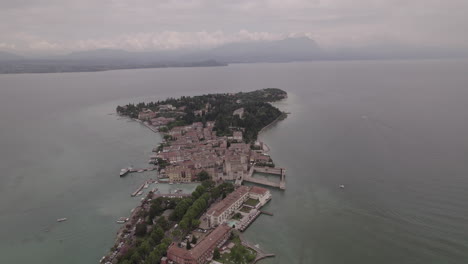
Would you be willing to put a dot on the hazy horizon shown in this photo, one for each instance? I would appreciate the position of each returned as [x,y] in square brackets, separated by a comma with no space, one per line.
[51,27]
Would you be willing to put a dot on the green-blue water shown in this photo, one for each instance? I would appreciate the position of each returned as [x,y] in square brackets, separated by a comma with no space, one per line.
[394,133]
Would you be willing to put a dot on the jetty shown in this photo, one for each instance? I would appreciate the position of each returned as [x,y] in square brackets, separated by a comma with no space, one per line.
[128,170]
[135,193]
[260,253]
[142,170]
[262,181]
[267,213]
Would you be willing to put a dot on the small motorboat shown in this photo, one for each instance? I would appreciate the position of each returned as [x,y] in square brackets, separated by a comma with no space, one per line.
[122,220]
[342,186]
[62,219]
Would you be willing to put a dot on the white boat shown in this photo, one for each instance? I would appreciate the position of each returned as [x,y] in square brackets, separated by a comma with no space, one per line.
[171,183]
[124,172]
[342,186]
[146,186]
[122,220]
[62,219]
[139,193]
[141,170]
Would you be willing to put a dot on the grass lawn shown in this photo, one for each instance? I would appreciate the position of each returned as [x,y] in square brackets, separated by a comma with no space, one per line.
[252,202]
[239,254]
[237,216]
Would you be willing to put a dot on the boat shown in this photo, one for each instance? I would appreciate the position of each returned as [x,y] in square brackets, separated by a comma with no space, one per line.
[139,193]
[140,170]
[124,172]
[171,183]
[342,186]
[122,220]
[146,185]
[62,219]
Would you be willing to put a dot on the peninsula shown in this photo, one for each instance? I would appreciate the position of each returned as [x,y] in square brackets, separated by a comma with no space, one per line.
[210,139]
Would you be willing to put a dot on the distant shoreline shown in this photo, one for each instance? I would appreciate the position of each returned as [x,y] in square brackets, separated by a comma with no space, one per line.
[33,67]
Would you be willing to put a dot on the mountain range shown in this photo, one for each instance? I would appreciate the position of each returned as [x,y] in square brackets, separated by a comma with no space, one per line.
[286,50]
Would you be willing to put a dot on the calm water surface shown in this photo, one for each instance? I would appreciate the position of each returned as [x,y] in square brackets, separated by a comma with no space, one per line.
[394,133]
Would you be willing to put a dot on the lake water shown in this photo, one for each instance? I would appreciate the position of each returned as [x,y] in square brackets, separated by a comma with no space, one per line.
[393,132]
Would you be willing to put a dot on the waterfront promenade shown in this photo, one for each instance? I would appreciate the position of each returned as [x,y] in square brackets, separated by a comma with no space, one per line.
[260,253]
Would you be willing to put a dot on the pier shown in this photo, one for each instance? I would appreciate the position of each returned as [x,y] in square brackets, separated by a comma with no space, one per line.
[260,253]
[135,193]
[142,170]
[128,170]
[138,190]
[267,213]
[275,171]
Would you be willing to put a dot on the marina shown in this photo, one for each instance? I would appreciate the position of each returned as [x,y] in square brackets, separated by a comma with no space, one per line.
[262,181]
[145,185]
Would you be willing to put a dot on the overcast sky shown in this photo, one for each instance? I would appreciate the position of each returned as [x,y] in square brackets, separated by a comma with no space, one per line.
[65,25]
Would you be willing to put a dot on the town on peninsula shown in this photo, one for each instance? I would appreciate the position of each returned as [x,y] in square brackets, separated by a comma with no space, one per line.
[210,140]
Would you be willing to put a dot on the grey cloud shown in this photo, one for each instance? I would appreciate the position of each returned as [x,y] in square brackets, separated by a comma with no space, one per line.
[58,26]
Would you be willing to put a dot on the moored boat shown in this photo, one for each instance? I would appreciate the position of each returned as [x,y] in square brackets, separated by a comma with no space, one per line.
[122,220]
[125,171]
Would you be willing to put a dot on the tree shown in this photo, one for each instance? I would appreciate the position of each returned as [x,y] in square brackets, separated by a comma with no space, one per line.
[203,176]
[140,229]
[216,254]
[194,240]
[163,223]
[176,233]
[208,184]
[157,234]
[188,247]
[195,222]
[135,259]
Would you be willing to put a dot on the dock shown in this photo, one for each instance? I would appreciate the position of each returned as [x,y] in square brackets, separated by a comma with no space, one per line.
[267,213]
[126,171]
[260,253]
[138,190]
[135,193]
[142,170]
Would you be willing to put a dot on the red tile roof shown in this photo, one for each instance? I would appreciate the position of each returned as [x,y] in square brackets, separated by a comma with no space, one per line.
[258,190]
[220,207]
[206,244]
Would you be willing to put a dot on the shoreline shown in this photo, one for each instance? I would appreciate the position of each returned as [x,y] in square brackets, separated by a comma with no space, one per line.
[187,138]
[279,118]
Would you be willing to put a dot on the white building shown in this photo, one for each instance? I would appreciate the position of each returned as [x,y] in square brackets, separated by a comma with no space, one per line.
[223,210]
